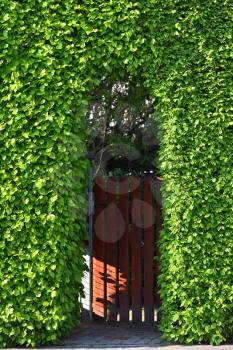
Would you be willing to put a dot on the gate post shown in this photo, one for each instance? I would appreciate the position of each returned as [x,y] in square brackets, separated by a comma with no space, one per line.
[90,225]
[87,314]
[159,224]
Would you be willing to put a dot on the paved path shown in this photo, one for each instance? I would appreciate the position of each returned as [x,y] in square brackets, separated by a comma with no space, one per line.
[122,336]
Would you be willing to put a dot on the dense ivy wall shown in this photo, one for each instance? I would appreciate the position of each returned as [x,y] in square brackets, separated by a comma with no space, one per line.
[51,55]
[193,76]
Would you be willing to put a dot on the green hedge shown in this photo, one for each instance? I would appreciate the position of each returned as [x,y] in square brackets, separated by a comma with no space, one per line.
[43,175]
[52,53]
[195,84]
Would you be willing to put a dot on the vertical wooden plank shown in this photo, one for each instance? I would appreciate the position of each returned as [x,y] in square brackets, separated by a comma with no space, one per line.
[99,302]
[124,251]
[111,251]
[159,223]
[149,281]
[136,283]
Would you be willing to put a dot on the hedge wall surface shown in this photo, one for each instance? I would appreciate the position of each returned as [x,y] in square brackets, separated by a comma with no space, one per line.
[52,54]
[194,83]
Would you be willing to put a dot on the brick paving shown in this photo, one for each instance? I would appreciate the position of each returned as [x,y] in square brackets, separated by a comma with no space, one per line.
[122,336]
[114,335]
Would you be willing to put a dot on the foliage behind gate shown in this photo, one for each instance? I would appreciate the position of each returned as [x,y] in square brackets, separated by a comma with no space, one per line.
[52,54]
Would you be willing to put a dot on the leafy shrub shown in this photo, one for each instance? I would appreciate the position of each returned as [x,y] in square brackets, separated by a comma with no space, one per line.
[43,177]
[193,80]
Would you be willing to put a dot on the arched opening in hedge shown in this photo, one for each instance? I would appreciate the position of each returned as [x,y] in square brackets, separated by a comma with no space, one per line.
[123,146]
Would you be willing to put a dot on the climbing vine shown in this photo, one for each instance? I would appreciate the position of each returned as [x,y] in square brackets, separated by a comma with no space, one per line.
[52,54]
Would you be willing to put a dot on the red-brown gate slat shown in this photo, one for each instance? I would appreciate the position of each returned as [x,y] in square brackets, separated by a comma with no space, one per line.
[148,215]
[111,250]
[124,251]
[136,279]
[98,303]
[158,227]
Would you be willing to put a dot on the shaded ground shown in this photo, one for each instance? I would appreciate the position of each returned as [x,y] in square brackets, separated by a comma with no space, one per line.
[107,335]
[130,336]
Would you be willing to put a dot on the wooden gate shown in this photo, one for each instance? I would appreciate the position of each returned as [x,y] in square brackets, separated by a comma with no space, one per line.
[127,221]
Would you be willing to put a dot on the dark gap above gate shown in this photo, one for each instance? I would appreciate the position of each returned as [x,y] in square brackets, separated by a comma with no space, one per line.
[123,132]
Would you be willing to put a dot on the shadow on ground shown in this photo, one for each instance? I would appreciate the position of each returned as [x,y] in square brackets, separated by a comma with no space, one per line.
[114,335]
[122,336]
